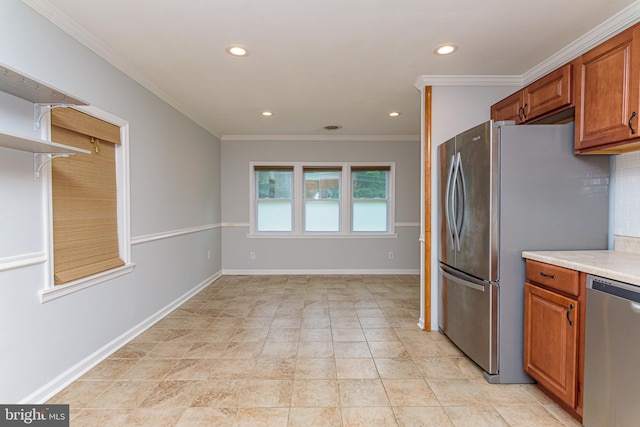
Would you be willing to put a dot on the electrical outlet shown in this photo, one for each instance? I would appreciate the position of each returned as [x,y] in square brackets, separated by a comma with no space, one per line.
[390,255]
[252,255]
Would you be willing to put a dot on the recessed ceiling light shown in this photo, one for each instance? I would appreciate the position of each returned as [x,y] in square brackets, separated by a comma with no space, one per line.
[394,114]
[267,113]
[446,49]
[237,50]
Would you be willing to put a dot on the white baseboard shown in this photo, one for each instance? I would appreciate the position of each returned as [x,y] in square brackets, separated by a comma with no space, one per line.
[53,387]
[331,272]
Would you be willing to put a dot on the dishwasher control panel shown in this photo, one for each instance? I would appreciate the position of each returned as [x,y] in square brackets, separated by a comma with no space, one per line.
[613,287]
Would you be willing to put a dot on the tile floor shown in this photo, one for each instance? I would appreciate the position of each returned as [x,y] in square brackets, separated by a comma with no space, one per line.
[306,351]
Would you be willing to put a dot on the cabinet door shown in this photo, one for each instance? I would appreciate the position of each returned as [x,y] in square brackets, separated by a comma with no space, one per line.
[548,94]
[509,108]
[607,92]
[551,341]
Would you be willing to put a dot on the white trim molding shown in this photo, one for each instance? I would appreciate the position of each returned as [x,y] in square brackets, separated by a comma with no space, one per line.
[236,224]
[173,233]
[246,224]
[370,138]
[58,291]
[331,271]
[57,384]
[71,27]
[617,23]
[407,224]
[23,260]
[470,80]
[323,236]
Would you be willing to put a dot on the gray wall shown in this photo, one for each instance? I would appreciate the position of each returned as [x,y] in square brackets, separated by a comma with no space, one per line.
[175,186]
[320,255]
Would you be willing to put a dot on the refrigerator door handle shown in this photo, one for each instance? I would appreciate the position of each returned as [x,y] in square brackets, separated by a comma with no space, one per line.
[458,200]
[462,282]
[454,204]
[448,203]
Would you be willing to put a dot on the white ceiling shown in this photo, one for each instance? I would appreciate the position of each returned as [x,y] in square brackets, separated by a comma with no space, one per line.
[319,62]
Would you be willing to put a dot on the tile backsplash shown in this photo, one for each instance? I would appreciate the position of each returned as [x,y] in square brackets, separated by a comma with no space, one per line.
[626,220]
[627,244]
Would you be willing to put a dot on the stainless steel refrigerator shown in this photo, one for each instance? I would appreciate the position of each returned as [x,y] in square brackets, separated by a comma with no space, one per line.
[507,188]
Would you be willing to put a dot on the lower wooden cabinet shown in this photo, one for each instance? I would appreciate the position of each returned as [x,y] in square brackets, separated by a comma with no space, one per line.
[550,341]
[554,333]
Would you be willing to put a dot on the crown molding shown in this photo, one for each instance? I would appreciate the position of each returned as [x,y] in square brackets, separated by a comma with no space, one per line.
[622,20]
[617,23]
[71,27]
[467,80]
[612,26]
[368,138]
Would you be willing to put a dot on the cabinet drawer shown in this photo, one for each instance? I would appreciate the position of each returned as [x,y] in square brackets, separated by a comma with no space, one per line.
[559,278]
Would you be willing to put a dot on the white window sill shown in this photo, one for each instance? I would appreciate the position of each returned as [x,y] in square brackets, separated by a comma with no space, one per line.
[86,282]
[324,236]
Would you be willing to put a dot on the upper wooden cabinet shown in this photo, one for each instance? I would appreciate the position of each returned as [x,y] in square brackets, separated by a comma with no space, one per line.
[547,95]
[607,99]
[509,108]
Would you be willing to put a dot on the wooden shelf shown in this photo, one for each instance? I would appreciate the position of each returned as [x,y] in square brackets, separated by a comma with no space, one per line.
[38,146]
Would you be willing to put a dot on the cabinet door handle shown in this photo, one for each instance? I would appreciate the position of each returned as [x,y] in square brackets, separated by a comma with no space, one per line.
[520,114]
[633,131]
[550,276]
[524,111]
[569,312]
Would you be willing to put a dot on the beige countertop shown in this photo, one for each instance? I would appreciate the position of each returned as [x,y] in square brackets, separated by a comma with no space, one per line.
[616,265]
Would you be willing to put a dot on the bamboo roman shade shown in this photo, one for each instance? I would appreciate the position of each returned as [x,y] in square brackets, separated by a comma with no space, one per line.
[84,193]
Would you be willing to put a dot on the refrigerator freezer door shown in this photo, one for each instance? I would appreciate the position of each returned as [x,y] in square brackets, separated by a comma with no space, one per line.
[478,203]
[468,315]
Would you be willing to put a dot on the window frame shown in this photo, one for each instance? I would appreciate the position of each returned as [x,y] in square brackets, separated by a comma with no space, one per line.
[388,199]
[52,291]
[323,168]
[254,198]
[345,200]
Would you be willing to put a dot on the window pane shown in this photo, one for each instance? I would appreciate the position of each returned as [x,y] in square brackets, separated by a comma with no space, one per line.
[275,184]
[369,184]
[370,215]
[322,185]
[322,215]
[274,215]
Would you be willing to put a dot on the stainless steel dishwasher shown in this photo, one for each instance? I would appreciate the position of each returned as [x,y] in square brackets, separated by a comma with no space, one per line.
[612,354]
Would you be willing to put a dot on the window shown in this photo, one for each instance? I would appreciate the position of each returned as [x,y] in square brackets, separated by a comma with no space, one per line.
[370,198]
[306,199]
[84,197]
[274,199]
[321,199]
